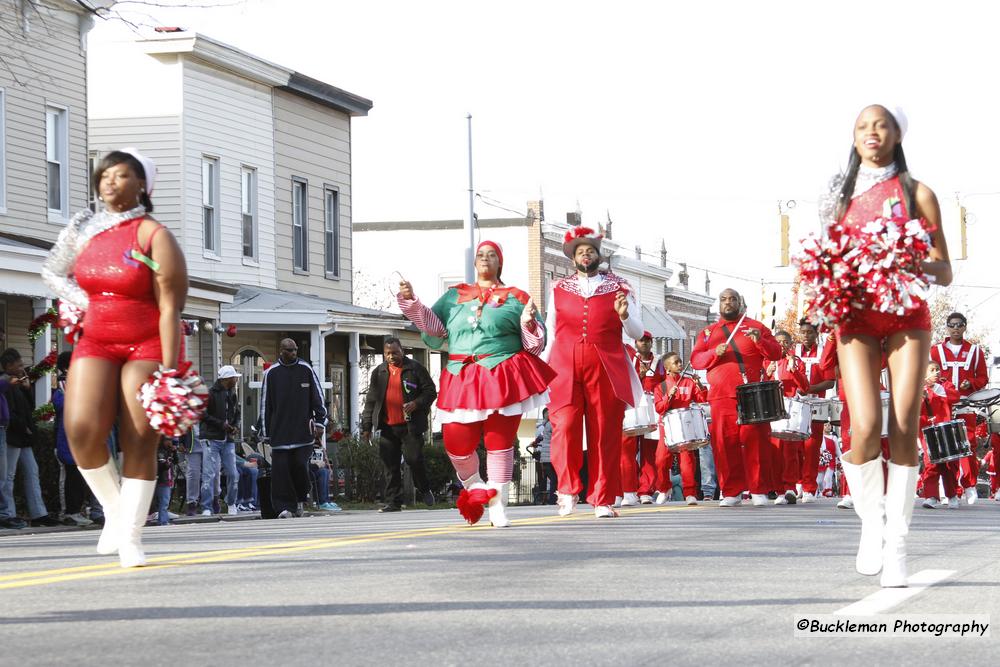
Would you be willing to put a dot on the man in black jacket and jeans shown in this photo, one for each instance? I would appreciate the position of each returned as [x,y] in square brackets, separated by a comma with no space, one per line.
[398,402]
[219,426]
[292,416]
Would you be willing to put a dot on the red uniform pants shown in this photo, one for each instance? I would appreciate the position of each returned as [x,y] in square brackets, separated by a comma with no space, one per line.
[742,452]
[792,457]
[810,459]
[593,399]
[969,466]
[945,473]
[638,465]
[665,461]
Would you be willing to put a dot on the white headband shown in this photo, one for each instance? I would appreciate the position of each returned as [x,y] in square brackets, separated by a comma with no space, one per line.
[897,112]
[147,166]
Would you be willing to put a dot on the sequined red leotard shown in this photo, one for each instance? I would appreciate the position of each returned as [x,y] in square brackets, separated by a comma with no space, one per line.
[123,319]
[884,199]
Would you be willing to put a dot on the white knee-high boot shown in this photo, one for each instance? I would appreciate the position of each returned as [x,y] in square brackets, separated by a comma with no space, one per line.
[867,482]
[899,500]
[135,498]
[498,504]
[105,483]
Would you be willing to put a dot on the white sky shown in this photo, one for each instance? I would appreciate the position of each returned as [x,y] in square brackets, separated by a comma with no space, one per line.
[688,121]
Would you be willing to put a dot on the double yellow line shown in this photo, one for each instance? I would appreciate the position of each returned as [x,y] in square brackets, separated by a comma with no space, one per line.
[43,577]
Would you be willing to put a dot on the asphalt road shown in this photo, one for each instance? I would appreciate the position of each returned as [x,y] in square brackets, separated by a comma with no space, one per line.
[658,584]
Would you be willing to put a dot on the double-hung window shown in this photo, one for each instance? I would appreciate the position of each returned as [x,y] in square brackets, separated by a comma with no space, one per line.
[211,234]
[300,225]
[57,161]
[331,232]
[3,150]
[249,212]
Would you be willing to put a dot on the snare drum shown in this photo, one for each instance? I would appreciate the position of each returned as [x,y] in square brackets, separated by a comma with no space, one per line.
[760,402]
[993,422]
[798,424]
[685,429]
[836,407]
[706,408]
[820,409]
[947,441]
[641,419]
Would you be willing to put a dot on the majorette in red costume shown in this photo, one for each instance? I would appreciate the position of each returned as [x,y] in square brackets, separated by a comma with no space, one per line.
[742,452]
[492,378]
[595,380]
[674,393]
[639,452]
[788,455]
[811,352]
[964,365]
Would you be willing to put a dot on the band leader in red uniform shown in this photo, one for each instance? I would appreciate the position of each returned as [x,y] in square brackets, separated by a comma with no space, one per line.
[742,452]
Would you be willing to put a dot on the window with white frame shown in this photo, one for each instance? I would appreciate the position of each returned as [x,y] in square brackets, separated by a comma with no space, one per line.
[93,158]
[210,205]
[300,225]
[331,232]
[249,212]
[3,150]
[56,152]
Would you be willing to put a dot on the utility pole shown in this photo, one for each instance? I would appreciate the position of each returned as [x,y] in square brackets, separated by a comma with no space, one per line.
[470,225]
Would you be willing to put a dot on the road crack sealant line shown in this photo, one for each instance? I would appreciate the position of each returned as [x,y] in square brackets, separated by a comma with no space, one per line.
[52,576]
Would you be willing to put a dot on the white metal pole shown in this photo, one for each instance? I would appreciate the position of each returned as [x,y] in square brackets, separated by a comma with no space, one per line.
[470,230]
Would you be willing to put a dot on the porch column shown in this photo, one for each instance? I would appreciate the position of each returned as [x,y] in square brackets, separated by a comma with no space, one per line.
[317,350]
[353,356]
[42,346]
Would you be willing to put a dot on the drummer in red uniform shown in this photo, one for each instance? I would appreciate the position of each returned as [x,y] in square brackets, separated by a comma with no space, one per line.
[810,351]
[639,478]
[741,451]
[587,313]
[673,393]
[936,409]
[787,461]
[964,364]
[991,461]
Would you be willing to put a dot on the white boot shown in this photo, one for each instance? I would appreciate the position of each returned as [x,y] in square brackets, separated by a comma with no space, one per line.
[136,495]
[475,479]
[901,487]
[867,482]
[498,504]
[105,484]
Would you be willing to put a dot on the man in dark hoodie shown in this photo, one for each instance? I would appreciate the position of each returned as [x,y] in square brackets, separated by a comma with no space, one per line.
[292,416]
[218,427]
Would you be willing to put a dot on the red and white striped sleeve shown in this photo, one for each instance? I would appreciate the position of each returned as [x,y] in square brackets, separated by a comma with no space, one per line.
[422,317]
[533,337]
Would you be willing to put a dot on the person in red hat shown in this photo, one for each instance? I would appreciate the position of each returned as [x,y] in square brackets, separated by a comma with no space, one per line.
[638,451]
[587,313]
[493,375]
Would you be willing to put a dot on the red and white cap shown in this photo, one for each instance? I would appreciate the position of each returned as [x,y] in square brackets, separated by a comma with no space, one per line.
[578,236]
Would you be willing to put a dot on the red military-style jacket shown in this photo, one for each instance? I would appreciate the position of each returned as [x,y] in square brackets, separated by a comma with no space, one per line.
[791,372]
[969,364]
[812,357]
[724,372]
[688,392]
[650,377]
[935,404]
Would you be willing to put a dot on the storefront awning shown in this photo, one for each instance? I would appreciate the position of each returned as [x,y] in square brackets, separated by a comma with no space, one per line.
[659,323]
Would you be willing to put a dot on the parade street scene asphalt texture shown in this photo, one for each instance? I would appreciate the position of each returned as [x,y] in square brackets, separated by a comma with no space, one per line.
[659,584]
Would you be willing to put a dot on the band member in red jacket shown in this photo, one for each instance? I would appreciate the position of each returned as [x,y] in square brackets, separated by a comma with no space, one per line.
[936,409]
[741,451]
[587,313]
[673,393]
[787,455]
[638,478]
[810,351]
[964,364]
[992,459]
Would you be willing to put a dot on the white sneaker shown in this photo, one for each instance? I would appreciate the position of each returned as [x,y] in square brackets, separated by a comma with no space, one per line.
[954,503]
[798,490]
[618,501]
[758,499]
[661,498]
[845,503]
[808,497]
[781,500]
[232,510]
[206,512]
[605,512]
[79,519]
[730,501]
[630,499]
[931,503]
[971,496]
[285,514]
[996,497]
[646,499]
[566,502]
[691,500]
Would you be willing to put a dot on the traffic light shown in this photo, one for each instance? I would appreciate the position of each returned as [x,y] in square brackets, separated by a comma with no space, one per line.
[767,305]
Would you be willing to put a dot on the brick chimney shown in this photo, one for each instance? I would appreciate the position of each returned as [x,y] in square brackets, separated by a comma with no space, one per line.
[574,218]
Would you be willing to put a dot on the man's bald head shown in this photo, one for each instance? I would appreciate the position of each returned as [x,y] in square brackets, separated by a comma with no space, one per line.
[288,352]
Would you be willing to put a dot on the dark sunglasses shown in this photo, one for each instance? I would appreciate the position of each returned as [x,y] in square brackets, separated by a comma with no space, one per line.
[955,325]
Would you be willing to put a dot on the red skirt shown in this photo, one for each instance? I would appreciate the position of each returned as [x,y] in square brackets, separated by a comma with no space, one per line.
[883,325]
[479,388]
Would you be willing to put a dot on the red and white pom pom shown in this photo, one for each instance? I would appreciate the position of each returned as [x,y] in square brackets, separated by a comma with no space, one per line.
[471,502]
[71,321]
[875,266]
[174,399]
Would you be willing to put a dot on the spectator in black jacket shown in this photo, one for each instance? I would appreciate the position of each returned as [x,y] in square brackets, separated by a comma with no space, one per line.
[292,414]
[218,428]
[399,399]
[20,438]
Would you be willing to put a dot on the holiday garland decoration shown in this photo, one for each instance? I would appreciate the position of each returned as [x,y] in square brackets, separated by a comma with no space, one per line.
[174,399]
[44,413]
[39,325]
[46,365]
[875,266]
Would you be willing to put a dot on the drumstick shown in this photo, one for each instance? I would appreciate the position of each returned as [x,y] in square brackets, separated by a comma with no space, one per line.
[737,328]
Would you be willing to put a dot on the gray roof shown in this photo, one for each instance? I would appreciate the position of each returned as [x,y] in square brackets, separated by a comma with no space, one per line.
[659,323]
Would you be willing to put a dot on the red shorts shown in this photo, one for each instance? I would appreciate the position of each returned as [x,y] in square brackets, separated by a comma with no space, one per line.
[883,325]
[147,350]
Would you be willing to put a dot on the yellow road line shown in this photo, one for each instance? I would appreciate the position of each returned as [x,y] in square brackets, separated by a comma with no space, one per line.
[41,577]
